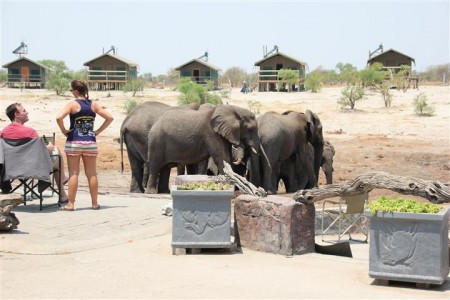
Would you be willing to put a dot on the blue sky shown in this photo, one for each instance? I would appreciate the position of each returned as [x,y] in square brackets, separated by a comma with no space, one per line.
[159,35]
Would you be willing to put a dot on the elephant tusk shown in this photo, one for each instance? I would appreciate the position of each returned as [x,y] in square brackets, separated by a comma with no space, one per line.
[254,150]
[238,161]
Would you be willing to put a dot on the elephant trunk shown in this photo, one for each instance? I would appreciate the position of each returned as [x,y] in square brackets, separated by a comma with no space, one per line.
[329,176]
[318,152]
[237,153]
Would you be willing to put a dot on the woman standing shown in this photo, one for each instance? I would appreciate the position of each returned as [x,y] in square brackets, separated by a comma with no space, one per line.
[81,140]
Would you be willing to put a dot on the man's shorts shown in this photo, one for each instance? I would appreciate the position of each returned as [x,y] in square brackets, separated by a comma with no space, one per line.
[77,149]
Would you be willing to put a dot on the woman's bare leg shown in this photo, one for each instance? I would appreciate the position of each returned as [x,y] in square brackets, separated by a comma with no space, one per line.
[90,169]
[73,164]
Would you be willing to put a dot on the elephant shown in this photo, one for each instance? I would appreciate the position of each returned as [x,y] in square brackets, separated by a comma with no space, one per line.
[289,138]
[190,137]
[327,161]
[288,171]
[134,133]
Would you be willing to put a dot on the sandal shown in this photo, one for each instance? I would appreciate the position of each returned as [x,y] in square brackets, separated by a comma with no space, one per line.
[65,208]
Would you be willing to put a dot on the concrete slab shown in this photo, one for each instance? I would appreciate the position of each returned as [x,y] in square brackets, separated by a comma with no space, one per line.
[124,251]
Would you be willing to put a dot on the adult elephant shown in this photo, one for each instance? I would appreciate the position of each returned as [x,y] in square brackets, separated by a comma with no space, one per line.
[327,161]
[134,133]
[190,137]
[287,137]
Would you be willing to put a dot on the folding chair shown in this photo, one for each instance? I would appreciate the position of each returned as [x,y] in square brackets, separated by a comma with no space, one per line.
[55,157]
[348,216]
[28,161]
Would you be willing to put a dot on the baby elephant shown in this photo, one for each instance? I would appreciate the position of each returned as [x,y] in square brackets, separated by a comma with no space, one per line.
[327,161]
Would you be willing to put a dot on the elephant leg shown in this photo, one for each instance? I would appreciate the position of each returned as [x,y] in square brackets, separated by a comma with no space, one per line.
[137,174]
[153,172]
[192,169]
[163,180]
[181,169]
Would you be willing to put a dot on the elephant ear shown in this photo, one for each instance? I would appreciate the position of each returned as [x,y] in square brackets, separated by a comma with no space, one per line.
[226,122]
[314,127]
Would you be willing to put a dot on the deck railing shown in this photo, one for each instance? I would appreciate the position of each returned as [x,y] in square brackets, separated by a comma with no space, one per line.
[25,78]
[103,75]
[271,75]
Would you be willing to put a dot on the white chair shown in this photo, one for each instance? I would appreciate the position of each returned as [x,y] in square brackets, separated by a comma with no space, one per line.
[348,216]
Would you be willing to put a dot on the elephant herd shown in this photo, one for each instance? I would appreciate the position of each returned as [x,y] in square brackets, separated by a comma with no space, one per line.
[274,147]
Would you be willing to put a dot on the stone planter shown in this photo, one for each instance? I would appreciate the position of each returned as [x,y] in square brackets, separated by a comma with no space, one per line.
[411,247]
[201,219]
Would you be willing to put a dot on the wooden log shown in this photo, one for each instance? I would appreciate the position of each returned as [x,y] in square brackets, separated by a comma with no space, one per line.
[433,191]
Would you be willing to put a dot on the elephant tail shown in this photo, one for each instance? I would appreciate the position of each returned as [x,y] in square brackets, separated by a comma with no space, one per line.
[122,134]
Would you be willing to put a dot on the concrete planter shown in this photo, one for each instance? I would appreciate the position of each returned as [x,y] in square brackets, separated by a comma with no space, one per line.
[411,247]
[201,219]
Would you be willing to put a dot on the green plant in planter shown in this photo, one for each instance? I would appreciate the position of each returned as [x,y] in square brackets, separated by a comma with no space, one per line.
[207,186]
[385,204]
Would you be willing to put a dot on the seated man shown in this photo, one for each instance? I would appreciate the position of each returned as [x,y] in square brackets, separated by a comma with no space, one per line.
[16,131]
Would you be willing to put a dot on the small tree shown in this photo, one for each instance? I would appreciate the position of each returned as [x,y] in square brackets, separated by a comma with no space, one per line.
[421,106]
[350,95]
[3,75]
[134,86]
[385,90]
[289,76]
[377,77]
[401,78]
[60,83]
[354,90]
[313,82]
[58,78]
[234,76]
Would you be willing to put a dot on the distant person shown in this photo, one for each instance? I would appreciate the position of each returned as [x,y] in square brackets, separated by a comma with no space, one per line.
[244,89]
[81,140]
[17,131]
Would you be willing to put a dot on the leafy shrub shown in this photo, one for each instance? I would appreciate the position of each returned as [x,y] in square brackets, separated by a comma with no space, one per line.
[130,105]
[207,186]
[192,92]
[313,82]
[421,106]
[384,204]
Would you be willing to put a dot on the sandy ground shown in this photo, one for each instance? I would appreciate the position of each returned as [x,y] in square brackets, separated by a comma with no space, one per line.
[370,138]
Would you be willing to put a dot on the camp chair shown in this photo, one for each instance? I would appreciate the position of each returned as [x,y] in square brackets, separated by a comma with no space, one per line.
[27,161]
[348,216]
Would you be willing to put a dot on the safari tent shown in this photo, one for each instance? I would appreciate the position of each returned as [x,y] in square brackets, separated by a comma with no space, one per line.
[200,71]
[269,68]
[110,72]
[392,59]
[24,72]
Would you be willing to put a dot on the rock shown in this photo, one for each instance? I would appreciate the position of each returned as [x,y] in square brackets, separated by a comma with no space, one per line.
[275,224]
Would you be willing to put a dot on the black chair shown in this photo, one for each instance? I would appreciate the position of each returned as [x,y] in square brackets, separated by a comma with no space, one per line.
[28,161]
